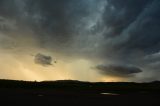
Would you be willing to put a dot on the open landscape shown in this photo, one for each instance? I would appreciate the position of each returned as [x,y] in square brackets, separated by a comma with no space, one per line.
[80,52]
[68,92]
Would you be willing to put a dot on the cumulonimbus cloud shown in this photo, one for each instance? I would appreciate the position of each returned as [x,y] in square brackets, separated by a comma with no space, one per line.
[104,30]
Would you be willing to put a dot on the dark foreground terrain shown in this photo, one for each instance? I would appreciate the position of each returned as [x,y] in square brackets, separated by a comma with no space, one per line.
[72,93]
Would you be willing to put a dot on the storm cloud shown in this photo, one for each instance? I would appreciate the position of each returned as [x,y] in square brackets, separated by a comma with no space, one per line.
[99,31]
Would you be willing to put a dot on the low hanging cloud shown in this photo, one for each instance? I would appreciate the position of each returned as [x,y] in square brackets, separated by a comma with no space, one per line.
[118,70]
[43,60]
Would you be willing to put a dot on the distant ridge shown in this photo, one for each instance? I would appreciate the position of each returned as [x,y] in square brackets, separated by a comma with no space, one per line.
[75,85]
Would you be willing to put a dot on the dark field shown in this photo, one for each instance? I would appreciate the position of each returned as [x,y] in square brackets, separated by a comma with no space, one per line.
[13,93]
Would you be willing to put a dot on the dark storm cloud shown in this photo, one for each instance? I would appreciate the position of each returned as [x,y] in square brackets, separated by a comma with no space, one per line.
[43,59]
[132,34]
[134,26]
[144,33]
[118,70]
[50,20]
[111,31]
[120,14]
[57,22]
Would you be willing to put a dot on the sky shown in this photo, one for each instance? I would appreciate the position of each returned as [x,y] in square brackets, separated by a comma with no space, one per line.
[86,40]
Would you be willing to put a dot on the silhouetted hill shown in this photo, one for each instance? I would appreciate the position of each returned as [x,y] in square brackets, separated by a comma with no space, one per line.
[74,85]
[72,92]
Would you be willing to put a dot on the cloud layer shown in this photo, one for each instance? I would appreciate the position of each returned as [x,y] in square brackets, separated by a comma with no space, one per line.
[99,31]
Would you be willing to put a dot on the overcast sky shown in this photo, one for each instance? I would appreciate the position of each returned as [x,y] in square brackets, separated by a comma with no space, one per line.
[88,40]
